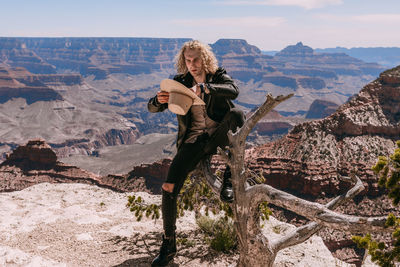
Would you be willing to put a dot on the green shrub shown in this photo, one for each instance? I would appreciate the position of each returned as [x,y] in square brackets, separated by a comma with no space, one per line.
[137,205]
[388,169]
[220,233]
[185,242]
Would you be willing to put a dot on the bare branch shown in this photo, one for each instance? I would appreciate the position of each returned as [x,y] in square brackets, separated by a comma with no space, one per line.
[355,190]
[301,234]
[297,236]
[315,211]
[266,107]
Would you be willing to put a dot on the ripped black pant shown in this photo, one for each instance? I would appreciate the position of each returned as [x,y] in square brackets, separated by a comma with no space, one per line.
[186,160]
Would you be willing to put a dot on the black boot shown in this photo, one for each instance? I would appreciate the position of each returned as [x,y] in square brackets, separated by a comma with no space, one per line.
[167,252]
[226,194]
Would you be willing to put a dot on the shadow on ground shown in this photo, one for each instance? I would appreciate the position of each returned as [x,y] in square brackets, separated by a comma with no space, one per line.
[145,247]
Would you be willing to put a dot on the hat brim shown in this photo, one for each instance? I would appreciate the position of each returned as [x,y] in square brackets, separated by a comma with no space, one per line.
[172,86]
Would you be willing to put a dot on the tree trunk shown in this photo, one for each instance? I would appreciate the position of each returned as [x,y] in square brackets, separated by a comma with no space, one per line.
[255,249]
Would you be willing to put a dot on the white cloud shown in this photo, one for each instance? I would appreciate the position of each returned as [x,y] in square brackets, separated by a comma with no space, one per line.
[306,4]
[378,18]
[375,19]
[255,22]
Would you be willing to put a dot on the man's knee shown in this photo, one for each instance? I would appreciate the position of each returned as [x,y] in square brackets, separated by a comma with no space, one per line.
[168,187]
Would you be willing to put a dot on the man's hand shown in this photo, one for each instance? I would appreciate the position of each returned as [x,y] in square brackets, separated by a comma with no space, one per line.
[162,97]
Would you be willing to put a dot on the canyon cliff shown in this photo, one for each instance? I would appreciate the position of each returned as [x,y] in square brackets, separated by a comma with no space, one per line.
[313,154]
[35,163]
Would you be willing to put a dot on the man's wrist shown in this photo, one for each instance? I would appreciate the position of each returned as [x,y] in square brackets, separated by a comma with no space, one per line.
[156,102]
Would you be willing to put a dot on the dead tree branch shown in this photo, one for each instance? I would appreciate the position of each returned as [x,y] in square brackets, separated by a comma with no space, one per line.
[315,211]
[302,233]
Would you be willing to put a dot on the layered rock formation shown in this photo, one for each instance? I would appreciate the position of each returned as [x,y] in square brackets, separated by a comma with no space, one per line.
[312,156]
[95,140]
[91,56]
[35,152]
[297,68]
[36,163]
[19,83]
[58,108]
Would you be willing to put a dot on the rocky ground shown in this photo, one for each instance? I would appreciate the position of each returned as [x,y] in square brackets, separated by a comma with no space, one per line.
[84,225]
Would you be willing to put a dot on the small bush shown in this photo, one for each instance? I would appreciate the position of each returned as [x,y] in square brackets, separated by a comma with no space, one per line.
[185,242]
[220,233]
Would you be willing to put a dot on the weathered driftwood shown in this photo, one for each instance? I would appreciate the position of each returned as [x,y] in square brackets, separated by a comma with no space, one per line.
[254,247]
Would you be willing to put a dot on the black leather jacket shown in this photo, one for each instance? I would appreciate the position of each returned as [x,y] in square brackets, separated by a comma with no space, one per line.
[218,102]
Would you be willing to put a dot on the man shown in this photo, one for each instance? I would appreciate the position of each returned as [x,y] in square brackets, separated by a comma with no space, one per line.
[200,132]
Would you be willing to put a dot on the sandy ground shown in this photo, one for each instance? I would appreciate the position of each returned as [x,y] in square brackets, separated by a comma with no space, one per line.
[83,225]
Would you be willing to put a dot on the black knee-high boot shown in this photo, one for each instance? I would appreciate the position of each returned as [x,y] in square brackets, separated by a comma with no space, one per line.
[168,247]
[167,251]
[226,193]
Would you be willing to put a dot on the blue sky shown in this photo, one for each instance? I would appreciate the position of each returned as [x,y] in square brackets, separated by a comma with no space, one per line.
[268,24]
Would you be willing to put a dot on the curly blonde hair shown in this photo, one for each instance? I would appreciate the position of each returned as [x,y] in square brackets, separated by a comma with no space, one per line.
[210,63]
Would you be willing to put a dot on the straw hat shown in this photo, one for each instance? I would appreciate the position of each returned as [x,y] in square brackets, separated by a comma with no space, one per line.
[181,98]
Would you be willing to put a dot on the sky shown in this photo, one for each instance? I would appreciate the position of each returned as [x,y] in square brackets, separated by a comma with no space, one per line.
[267,24]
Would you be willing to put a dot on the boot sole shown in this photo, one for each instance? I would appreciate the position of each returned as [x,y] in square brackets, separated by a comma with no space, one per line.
[223,199]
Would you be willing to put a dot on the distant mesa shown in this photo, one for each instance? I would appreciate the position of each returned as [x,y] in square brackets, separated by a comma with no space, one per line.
[320,109]
[273,127]
[235,47]
[296,50]
[35,154]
